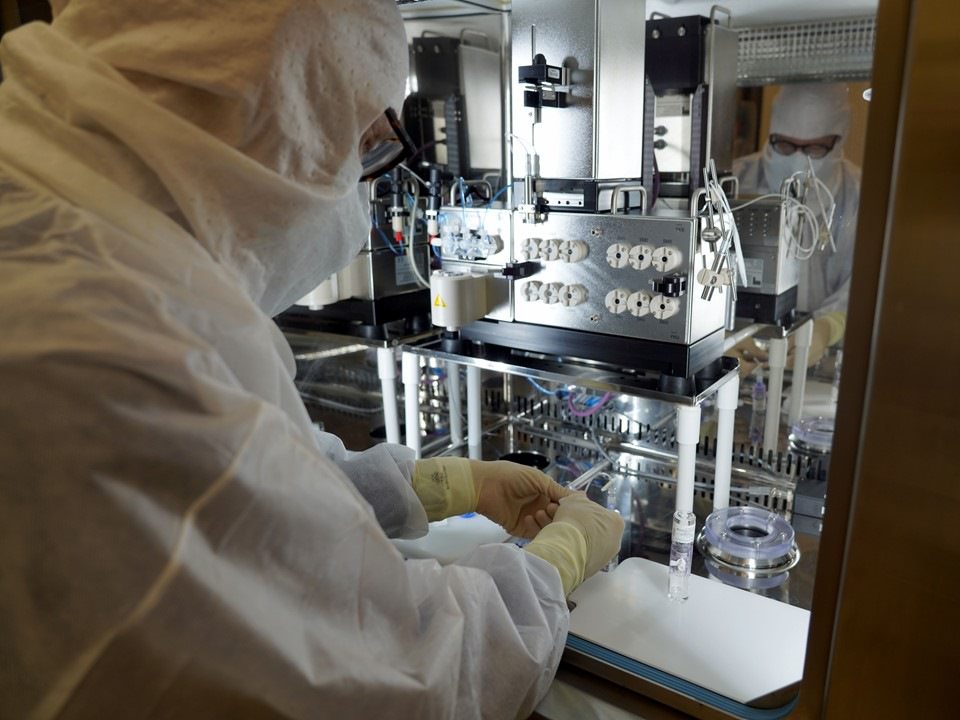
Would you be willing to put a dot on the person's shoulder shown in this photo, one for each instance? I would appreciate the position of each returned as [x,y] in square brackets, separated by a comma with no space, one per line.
[851,169]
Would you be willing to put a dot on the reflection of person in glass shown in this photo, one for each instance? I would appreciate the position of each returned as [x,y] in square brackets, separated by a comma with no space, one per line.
[808,126]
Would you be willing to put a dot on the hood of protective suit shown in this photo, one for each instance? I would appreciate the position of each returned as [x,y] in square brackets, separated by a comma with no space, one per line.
[804,112]
[239,119]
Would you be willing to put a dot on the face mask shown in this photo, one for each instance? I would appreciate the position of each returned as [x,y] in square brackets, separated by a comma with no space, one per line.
[777,168]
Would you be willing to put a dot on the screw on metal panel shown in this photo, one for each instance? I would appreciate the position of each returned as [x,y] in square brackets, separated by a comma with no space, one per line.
[596,232]
[655,34]
[682,31]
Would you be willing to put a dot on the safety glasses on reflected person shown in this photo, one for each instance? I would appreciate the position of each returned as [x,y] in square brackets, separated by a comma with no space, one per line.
[812,150]
[388,151]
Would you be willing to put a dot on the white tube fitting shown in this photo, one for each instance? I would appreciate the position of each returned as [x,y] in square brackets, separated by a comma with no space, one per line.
[802,339]
[456,404]
[728,397]
[771,427]
[387,371]
[688,435]
[474,429]
[410,367]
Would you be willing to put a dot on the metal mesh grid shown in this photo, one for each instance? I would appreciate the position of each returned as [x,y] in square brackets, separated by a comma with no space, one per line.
[826,50]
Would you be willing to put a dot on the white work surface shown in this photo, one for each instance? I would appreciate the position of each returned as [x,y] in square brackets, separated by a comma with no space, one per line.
[737,644]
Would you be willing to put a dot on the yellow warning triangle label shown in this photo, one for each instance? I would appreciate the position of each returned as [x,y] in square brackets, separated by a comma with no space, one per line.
[438,302]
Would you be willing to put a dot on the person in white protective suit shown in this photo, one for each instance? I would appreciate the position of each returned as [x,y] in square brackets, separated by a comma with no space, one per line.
[178,541]
[808,125]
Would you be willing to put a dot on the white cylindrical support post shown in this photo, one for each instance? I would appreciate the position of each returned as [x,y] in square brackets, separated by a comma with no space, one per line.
[410,367]
[728,397]
[801,354]
[684,521]
[474,429]
[456,405]
[771,425]
[387,370]
[688,435]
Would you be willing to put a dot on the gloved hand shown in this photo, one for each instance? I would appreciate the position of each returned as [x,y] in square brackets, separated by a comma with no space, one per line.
[581,540]
[521,499]
[827,331]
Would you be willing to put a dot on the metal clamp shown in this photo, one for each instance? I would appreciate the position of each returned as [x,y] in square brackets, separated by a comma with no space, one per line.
[732,181]
[624,189]
[720,8]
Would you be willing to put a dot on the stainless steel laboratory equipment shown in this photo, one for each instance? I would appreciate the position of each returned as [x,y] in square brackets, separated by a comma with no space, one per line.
[691,67]
[772,269]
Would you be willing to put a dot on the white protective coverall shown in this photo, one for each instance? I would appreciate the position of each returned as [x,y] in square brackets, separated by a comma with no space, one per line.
[177,541]
[804,112]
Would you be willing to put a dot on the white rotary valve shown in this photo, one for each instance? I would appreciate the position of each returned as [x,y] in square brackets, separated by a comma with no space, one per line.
[618,255]
[641,256]
[667,258]
[616,300]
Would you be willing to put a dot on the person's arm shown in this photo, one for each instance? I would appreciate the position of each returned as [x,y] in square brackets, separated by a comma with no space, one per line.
[255,582]
[406,493]
[382,475]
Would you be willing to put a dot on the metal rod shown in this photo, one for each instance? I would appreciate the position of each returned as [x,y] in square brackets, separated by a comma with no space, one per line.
[735,338]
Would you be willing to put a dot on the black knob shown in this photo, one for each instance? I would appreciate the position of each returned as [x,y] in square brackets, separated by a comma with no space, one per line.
[670,285]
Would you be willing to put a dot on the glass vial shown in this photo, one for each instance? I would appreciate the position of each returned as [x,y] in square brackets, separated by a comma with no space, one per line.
[681,555]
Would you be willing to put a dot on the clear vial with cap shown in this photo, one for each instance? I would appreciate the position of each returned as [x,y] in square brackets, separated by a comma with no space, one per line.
[681,555]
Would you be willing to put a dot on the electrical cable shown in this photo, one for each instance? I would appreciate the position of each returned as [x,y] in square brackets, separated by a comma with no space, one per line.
[591,411]
[412,174]
[541,388]
[411,232]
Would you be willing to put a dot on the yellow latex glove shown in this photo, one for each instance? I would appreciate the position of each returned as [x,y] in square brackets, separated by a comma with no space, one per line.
[520,498]
[827,332]
[581,540]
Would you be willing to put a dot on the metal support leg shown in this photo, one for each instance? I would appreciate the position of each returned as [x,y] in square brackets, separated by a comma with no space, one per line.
[727,400]
[801,354]
[474,429]
[387,371]
[456,404]
[771,426]
[410,366]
